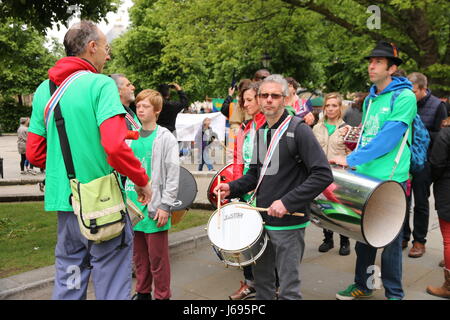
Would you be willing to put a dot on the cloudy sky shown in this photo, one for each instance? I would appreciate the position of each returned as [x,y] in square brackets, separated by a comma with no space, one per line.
[121,15]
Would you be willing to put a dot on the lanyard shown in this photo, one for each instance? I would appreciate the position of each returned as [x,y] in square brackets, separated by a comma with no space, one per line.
[57,95]
[270,151]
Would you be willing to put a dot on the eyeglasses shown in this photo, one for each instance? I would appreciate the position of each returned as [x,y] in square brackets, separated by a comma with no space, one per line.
[274,96]
[108,49]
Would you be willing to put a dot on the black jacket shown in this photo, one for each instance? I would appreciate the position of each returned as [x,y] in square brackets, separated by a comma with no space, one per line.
[170,110]
[440,172]
[295,184]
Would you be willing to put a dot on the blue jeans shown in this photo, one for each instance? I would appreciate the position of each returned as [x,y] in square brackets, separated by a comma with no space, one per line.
[205,160]
[391,266]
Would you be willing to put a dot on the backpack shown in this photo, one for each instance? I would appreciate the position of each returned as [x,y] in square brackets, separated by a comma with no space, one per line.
[290,138]
[419,143]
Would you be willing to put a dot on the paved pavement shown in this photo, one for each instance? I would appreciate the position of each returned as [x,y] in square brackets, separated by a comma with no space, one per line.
[197,273]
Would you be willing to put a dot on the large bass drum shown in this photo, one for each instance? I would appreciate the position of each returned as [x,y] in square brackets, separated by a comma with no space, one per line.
[187,191]
[237,234]
[363,208]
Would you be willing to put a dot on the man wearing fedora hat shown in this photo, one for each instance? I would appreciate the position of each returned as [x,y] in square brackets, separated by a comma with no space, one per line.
[388,112]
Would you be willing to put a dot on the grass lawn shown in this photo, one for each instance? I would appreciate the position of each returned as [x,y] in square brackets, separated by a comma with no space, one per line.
[28,235]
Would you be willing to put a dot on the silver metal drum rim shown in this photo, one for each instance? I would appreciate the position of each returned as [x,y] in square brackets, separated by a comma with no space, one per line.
[247,262]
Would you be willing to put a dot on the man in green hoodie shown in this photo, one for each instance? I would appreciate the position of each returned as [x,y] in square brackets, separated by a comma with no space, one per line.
[384,126]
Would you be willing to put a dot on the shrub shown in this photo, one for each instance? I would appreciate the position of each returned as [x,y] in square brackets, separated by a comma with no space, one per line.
[10,114]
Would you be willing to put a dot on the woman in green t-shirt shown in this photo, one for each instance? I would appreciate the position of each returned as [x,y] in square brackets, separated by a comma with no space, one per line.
[330,132]
[157,149]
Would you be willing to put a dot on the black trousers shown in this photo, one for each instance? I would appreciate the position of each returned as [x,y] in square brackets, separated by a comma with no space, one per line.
[421,184]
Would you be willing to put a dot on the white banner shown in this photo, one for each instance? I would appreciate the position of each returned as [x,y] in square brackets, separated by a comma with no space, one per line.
[187,125]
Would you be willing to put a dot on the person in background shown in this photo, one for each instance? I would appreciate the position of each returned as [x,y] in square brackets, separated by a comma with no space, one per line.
[203,139]
[171,108]
[22,133]
[432,112]
[440,173]
[297,106]
[353,115]
[330,132]
[126,93]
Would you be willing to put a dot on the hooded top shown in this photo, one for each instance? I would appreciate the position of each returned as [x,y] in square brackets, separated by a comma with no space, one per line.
[113,130]
[384,129]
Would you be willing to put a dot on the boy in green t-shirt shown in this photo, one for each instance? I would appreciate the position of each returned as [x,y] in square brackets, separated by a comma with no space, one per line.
[157,149]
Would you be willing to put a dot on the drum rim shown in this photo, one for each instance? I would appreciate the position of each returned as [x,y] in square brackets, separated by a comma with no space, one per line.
[364,211]
[234,203]
[248,262]
[212,181]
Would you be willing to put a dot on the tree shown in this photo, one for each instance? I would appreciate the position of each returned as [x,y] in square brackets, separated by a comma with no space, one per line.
[42,14]
[199,43]
[24,59]
[420,29]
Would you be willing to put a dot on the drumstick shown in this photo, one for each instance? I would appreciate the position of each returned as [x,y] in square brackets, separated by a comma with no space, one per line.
[297,214]
[218,202]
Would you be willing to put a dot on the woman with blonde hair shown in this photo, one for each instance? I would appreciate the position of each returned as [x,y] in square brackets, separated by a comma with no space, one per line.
[330,132]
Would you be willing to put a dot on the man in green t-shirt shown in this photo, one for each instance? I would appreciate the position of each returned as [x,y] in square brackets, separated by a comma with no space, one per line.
[384,126]
[96,130]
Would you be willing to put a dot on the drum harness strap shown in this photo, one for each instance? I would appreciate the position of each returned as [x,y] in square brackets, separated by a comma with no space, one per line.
[270,151]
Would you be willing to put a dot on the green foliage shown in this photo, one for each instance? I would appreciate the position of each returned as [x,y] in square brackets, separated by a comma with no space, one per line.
[28,235]
[23,57]
[42,14]
[198,43]
[11,113]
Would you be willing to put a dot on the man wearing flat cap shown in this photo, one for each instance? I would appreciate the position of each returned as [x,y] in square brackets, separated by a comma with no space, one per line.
[388,113]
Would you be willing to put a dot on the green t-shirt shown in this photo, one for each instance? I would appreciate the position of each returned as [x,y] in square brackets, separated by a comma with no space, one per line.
[90,100]
[247,153]
[404,110]
[330,127]
[142,149]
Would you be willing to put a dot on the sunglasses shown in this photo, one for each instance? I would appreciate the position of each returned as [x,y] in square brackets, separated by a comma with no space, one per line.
[274,96]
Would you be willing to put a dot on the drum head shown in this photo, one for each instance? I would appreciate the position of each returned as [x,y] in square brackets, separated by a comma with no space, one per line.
[187,190]
[232,228]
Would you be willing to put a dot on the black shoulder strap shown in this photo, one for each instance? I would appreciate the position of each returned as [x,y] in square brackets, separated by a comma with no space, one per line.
[63,139]
[290,138]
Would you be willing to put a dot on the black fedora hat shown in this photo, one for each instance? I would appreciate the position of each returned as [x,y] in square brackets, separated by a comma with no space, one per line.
[386,50]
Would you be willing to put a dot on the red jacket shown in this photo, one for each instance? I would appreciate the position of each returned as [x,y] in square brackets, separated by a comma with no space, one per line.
[238,160]
[113,131]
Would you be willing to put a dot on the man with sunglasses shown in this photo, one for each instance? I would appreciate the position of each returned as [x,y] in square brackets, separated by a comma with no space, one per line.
[283,185]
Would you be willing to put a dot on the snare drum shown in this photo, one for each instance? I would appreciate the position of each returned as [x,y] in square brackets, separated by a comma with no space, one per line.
[237,234]
[187,191]
[226,175]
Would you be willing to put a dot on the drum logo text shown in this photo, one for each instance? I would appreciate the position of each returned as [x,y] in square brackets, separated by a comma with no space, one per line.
[234,215]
